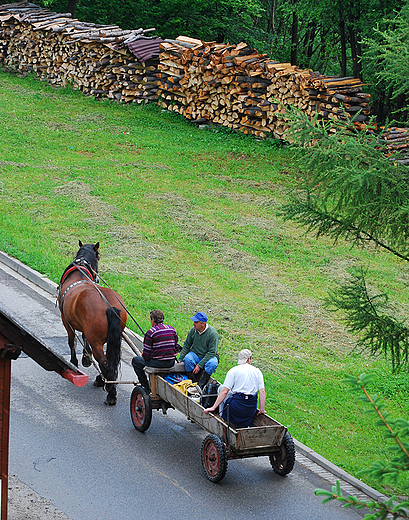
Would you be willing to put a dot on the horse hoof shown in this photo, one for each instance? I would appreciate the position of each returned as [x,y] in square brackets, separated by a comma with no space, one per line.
[110,402]
[86,361]
[99,382]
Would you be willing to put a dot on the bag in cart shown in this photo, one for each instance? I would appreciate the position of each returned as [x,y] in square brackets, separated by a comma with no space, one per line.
[210,393]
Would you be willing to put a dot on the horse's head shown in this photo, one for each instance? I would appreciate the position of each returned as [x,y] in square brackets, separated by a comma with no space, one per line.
[88,255]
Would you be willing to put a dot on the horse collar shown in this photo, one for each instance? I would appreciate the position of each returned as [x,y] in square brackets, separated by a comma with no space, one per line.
[74,268]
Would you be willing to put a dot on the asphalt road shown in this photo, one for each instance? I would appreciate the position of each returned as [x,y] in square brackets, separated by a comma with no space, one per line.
[90,463]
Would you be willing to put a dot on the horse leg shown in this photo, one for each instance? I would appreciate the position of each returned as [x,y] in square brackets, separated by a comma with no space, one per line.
[111,395]
[99,355]
[99,382]
[72,343]
[109,387]
[86,353]
[109,364]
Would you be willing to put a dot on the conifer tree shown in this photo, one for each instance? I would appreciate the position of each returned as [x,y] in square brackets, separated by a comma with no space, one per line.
[352,191]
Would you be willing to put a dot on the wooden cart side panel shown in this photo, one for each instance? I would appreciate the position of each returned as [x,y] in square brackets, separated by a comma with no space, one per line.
[210,422]
[265,420]
[260,437]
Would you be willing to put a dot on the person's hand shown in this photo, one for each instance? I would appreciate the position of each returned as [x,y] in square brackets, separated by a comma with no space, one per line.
[207,410]
[196,369]
[261,412]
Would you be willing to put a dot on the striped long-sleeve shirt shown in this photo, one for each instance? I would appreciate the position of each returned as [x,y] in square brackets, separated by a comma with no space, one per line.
[160,342]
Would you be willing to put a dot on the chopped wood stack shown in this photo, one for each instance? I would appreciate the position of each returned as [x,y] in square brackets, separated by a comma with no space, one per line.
[339,98]
[230,85]
[237,87]
[93,58]
[396,142]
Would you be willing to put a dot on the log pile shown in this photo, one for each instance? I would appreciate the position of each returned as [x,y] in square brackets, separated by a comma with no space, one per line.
[230,85]
[339,98]
[237,87]
[395,142]
[62,50]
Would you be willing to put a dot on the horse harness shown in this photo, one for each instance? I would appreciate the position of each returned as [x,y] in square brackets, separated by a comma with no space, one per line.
[83,270]
[90,278]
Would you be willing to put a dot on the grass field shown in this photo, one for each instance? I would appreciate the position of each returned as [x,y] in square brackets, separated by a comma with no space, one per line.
[188,220]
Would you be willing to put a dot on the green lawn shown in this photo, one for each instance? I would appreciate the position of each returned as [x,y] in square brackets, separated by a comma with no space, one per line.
[188,220]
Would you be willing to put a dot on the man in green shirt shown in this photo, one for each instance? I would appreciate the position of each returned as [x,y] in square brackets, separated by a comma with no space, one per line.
[200,350]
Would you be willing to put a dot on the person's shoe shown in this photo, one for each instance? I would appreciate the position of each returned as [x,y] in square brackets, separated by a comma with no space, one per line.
[145,385]
[191,376]
[204,379]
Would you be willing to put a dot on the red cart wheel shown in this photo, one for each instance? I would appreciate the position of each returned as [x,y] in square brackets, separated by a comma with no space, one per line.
[141,409]
[283,461]
[214,458]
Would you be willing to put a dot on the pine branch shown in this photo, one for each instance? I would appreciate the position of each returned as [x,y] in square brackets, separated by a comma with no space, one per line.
[381,509]
[397,430]
[377,409]
[366,315]
[350,189]
[323,223]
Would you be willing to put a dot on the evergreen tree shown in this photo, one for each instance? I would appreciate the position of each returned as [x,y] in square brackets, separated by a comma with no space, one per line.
[386,56]
[396,431]
[352,191]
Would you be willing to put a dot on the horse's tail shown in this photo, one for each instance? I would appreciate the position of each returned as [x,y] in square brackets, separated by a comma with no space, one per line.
[113,352]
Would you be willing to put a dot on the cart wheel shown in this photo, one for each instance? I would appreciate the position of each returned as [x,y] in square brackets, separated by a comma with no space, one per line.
[141,409]
[283,460]
[214,458]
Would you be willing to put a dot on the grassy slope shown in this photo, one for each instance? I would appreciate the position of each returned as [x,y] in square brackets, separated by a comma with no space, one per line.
[187,220]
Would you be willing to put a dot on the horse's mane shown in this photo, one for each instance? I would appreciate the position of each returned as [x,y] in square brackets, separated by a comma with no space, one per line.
[87,255]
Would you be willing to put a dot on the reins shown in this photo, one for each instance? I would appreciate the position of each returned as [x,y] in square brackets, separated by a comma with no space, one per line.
[119,301]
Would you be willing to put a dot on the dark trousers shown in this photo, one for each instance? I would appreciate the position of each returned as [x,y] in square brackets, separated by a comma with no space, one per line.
[240,409]
[139,363]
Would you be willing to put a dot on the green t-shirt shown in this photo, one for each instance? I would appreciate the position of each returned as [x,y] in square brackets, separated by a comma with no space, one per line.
[204,345]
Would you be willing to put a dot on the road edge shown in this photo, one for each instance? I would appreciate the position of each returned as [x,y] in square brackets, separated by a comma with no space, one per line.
[51,287]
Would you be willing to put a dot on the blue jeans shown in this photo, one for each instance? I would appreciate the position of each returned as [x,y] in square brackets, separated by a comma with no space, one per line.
[191,360]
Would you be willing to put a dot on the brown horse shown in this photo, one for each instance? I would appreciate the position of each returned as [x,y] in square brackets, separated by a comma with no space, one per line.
[92,310]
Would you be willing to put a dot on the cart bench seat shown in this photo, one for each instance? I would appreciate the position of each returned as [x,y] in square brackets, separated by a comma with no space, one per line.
[176,369]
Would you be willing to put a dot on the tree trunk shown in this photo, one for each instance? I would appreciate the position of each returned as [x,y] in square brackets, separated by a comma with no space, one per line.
[294,39]
[271,17]
[72,6]
[343,45]
[354,37]
[312,38]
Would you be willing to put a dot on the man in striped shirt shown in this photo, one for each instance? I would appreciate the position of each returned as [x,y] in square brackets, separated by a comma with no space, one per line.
[160,346]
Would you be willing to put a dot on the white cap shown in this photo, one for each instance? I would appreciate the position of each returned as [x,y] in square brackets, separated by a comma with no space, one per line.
[244,355]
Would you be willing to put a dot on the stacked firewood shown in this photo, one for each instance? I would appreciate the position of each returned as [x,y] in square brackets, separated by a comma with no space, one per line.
[237,87]
[93,58]
[210,82]
[339,98]
[230,85]
[395,142]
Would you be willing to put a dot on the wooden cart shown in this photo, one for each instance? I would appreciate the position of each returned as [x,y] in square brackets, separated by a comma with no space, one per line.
[266,437]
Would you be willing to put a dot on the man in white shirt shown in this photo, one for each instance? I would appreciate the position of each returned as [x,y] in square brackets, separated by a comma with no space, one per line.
[239,393]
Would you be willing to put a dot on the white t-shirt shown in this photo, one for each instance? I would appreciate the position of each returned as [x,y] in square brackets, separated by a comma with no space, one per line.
[245,379]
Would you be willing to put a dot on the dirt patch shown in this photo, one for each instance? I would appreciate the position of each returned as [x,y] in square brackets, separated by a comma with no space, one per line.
[25,504]
[135,256]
